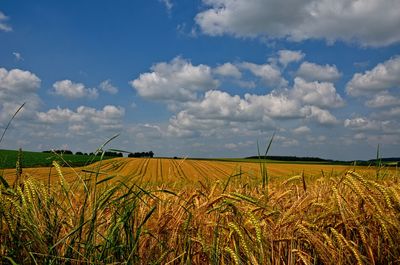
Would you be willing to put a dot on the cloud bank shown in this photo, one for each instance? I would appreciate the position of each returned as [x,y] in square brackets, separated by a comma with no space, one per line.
[368,23]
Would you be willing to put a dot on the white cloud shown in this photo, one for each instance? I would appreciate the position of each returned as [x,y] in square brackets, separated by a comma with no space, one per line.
[168,4]
[108,87]
[383,99]
[371,128]
[321,116]
[286,56]
[219,110]
[3,25]
[18,56]
[314,72]
[382,77]
[301,130]
[146,132]
[360,136]
[268,73]
[369,22]
[277,106]
[16,87]
[231,146]
[221,105]
[229,70]
[391,113]
[245,84]
[362,124]
[18,81]
[177,80]
[58,115]
[321,94]
[185,124]
[108,118]
[71,90]
[285,141]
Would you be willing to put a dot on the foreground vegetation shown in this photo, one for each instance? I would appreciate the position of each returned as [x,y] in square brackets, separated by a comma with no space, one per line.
[336,218]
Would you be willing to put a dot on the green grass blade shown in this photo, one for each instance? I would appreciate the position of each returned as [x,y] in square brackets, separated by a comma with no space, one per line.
[9,122]
[4,182]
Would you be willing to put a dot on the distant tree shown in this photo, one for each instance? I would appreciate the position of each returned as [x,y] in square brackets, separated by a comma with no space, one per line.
[79,153]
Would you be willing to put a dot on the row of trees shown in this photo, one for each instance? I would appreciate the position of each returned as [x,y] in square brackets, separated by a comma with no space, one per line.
[142,154]
[108,153]
[69,152]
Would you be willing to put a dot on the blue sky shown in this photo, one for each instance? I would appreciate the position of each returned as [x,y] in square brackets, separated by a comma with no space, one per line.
[203,78]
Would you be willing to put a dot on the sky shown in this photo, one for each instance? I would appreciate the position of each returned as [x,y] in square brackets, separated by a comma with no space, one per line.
[202,78]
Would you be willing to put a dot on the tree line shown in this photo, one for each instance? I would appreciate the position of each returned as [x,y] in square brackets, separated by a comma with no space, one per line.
[69,152]
[107,153]
[142,154]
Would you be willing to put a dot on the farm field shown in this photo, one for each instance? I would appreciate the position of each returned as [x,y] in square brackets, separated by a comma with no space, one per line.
[161,170]
[182,211]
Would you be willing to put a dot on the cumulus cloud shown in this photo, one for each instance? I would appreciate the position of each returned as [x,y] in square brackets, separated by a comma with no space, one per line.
[314,72]
[202,109]
[285,141]
[3,23]
[384,76]
[228,70]
[322,116]
[18,81]
[184,124]
[221,105]
[108,118]
[268,73]
[220,110]
[108,87]
[391,113]
[286,57]
[245,84]
[383,99]
[71,90]
[321,94]
[146,133]
[362,124]
[277,106]
[370,127]
[301,130]
[177,80]
[370,22]
[16,87]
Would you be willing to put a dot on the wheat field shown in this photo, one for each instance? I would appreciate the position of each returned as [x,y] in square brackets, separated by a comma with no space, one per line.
[159,170]
[166,211]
